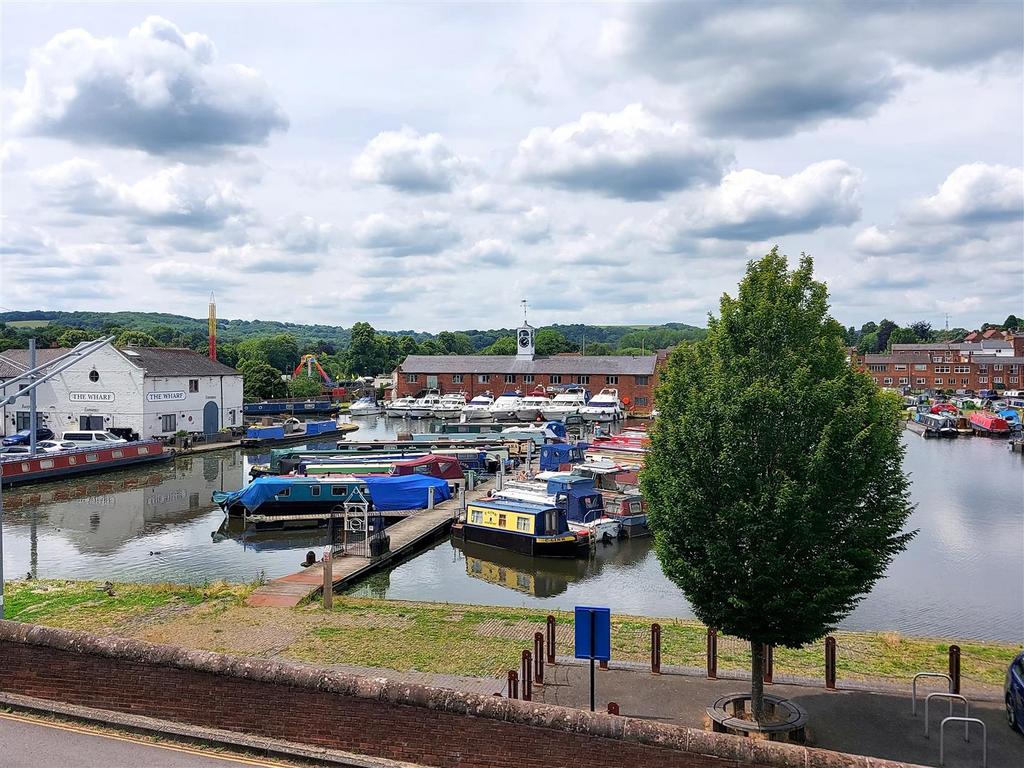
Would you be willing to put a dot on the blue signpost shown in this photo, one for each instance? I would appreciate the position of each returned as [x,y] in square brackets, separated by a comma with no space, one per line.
[593,638]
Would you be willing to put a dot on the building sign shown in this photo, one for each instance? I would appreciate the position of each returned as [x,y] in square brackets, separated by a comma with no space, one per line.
[91,397]
[163,397]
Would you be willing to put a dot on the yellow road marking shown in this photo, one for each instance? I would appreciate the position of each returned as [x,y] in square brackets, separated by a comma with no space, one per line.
[173,748]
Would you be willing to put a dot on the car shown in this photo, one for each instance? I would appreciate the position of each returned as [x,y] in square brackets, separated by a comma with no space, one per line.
[56,446]
[91,438]
[1014,692]
[7,450]
[23,437]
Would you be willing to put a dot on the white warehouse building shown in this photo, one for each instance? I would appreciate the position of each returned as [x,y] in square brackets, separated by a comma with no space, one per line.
[152,391]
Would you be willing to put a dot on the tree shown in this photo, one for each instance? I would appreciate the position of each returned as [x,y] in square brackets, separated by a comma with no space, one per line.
[885,329]
[135,339]
[549,342]
[305,386]
[506,345]
[432,347]
[868,343]
[251,350]
[361,357]
[282,351]
[455,343]
[903,336]
[776,491]
[1012,322]
[261,380]
[72,337]
[407,346]
[599,348]
[923,330]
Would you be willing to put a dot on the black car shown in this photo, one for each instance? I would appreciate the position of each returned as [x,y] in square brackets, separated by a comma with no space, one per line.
[24,436]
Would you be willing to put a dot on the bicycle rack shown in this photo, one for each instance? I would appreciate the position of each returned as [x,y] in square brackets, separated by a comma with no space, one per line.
[967,724]
[913,687]
[952,697]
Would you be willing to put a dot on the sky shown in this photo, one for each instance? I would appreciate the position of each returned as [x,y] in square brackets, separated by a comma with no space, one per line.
[428,166]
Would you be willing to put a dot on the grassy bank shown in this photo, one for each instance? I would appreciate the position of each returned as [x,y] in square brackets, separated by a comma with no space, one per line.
[450,639]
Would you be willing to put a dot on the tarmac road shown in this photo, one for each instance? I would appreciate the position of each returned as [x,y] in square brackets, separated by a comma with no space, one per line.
[27,742]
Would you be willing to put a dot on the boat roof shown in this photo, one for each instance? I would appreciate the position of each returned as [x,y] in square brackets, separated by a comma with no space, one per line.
[503,505]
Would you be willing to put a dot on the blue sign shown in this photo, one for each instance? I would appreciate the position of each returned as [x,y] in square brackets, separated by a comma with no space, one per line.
[593,633]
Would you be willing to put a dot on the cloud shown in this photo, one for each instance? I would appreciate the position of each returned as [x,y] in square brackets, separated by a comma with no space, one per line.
[19,239]
[12,155]
[632,155]
[302,234]
[255,258]
[157,89]
[174,196]
[486,198]
[426,233]
[974,193]
[188,274]
[534,225]
[408,162]
[754,69]
[489,251]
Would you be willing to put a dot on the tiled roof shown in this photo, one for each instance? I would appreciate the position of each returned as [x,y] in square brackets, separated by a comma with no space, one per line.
[155,361]
[608,365]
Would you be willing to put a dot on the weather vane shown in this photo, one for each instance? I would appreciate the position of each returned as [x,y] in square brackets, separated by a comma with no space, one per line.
[523,302]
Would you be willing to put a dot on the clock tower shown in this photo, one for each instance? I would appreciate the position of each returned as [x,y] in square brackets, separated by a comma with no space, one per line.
[525,339]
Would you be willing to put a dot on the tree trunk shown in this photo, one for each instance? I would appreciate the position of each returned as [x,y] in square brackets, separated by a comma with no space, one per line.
[757,680]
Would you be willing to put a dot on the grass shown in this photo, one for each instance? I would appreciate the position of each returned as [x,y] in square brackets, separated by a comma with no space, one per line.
[27,323]
[453,639]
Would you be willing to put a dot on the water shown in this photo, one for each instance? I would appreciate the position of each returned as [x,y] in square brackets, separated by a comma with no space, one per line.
[962,576]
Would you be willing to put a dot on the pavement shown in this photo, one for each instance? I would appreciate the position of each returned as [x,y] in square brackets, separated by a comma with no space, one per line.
[877,724]
[27,742]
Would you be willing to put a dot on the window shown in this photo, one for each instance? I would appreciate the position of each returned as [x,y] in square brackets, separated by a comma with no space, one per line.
[484,378]
[941,369]
[920,367]
[522,523]
[510,378]
[887,381]
[46,464]
[284,492]
[982,367]
[91,457]
[117,454]
[965,382]
[640,400]
[922,380]
[338,490]
[877,367]
[231,417]
[193,385]
[611,379]
[412,378]
[501,521]
[456,378]
[937,359]
[556,378]
[901,366]
[477,517]
[94,375]
[527,378]
[983,379]
[582,379]
[997,379]
[961,369]
[143,449]
[904,379]
[72,460]
[1014,379]
[938,382]
[642,381]
[997,367]
[168,422]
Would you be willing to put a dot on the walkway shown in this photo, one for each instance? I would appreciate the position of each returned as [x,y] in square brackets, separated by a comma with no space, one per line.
[407,536]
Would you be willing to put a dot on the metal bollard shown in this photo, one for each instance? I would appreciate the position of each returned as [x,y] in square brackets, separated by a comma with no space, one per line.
[830,663]
[430,497]
[551,638]
[769,664]
[602,663]
[954,669]
[538,657]
[613,708]
[526,673]
[462,497]
[655,649]
[712,653]
[328,580]
[513,684]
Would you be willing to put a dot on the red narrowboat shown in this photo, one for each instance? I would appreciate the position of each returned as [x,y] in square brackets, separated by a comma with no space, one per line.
[988,423]
[20,468]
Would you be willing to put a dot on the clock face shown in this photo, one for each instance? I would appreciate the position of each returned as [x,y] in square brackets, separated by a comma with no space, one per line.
[524,338]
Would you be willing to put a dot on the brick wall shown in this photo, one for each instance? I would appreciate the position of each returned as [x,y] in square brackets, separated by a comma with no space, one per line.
[369,716]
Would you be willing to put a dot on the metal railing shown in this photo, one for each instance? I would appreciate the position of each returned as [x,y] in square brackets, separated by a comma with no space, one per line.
[967,724]
[913,687]
[951,697]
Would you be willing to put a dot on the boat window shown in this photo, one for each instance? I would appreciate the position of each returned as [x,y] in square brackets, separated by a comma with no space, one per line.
[501,521]
[143,449]
[284,492]
[338,490]
[117,454]
[72,460]
[314,490]
[635,507]
[24,467]
[478,517]
[46,464]
[523,524]
[91,457]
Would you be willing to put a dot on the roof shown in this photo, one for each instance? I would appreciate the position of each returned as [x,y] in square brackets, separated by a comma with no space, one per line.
[513,505]
[608,365]
[155,361]
[966,346]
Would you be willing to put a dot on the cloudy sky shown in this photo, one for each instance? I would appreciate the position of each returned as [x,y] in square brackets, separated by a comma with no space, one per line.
[428,166]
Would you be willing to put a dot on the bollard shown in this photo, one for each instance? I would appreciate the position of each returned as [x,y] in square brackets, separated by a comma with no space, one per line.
[462,497]
[551,639]
[830,663]
[513,684]
[613,708]
[471,480]
[603,663]
[526,674]
[712,653]
[538,657]
[328,580]
[954,669]
[655,649]
[499,479]
[430,497]
[769,663]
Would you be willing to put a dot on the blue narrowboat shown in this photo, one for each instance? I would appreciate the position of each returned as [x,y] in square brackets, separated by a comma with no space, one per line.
[536,530]
[289,408]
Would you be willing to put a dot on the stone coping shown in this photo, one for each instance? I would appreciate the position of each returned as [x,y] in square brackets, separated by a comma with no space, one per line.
[626,729]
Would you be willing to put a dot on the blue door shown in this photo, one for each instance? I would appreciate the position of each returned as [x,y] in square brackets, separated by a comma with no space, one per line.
[210,418]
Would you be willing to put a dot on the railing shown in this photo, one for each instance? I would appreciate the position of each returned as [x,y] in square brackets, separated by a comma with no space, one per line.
[951,697]
[967,724]
[913,687]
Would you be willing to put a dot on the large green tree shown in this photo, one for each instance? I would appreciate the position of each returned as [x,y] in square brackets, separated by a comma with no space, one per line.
[72,337]
[775,482]
[506,345]
[261,380]
[362,355]
[305,386]
[550,342]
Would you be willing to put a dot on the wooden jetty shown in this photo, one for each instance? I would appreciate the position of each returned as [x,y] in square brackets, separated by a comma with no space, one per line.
[407,536]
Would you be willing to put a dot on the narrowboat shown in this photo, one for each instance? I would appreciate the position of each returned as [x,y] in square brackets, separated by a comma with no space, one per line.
[536,530]
[937,424]
[20,468]
[574,495]
[470,428]
[290,408]
[1012,418]
[556,457]
[989,424]
[622,500]
[446,467]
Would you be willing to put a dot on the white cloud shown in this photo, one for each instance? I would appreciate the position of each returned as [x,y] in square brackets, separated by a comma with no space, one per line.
[487,198]
[12,155]
[632,154]
[408,162]
[972,193]
[490,251]
[158,89]
[302,234]
[426,233]
[188,274]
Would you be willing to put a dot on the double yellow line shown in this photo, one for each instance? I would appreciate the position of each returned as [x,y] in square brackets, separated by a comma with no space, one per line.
[237,759]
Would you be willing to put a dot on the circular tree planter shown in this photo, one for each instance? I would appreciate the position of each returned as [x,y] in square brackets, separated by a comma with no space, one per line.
[784,720]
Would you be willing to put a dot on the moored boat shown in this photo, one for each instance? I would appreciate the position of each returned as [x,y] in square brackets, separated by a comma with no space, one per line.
[531,406]
[604,406]
[22,468]
[537,530]
[989,424]
[365,406]
[565,404]
[479,408]
[505,406]
[575,495]
[450,406]
[399,408]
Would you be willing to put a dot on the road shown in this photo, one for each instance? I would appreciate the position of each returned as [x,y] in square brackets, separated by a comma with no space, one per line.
[28,742]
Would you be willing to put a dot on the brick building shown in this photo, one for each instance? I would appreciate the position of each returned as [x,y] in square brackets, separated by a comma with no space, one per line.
[633,376]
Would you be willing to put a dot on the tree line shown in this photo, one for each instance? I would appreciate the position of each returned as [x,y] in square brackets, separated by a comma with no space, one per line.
[879,337]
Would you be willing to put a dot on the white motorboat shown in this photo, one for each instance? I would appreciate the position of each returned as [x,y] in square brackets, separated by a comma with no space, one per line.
[505,406]
[423,408]
[478,409]
[364,406]
[564,405]
[604,406]
[531,406]
[450,406]
[399,408]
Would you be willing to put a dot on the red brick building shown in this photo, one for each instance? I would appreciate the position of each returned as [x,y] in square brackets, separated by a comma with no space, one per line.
[633,376]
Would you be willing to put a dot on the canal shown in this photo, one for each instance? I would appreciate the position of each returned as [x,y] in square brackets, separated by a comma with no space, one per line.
[962,576]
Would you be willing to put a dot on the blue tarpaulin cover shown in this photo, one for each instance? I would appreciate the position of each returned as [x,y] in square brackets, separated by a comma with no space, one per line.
[255,493]
[405,492]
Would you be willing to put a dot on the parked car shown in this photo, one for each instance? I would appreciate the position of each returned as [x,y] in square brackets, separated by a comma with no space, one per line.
[1014,691]
[89,439]
[56,446]
[7,450]
[24,436]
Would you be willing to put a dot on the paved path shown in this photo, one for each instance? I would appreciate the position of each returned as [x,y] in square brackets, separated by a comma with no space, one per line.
[406,535]
[861,722]
[27,742]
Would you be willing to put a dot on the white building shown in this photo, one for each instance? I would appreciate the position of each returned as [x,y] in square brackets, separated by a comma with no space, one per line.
[154,391]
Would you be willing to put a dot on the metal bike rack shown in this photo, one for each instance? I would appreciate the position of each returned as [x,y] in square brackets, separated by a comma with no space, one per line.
[967,724]
[952,697]
[913,687]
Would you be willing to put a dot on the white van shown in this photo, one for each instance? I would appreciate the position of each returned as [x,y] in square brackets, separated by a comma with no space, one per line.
[88,439]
